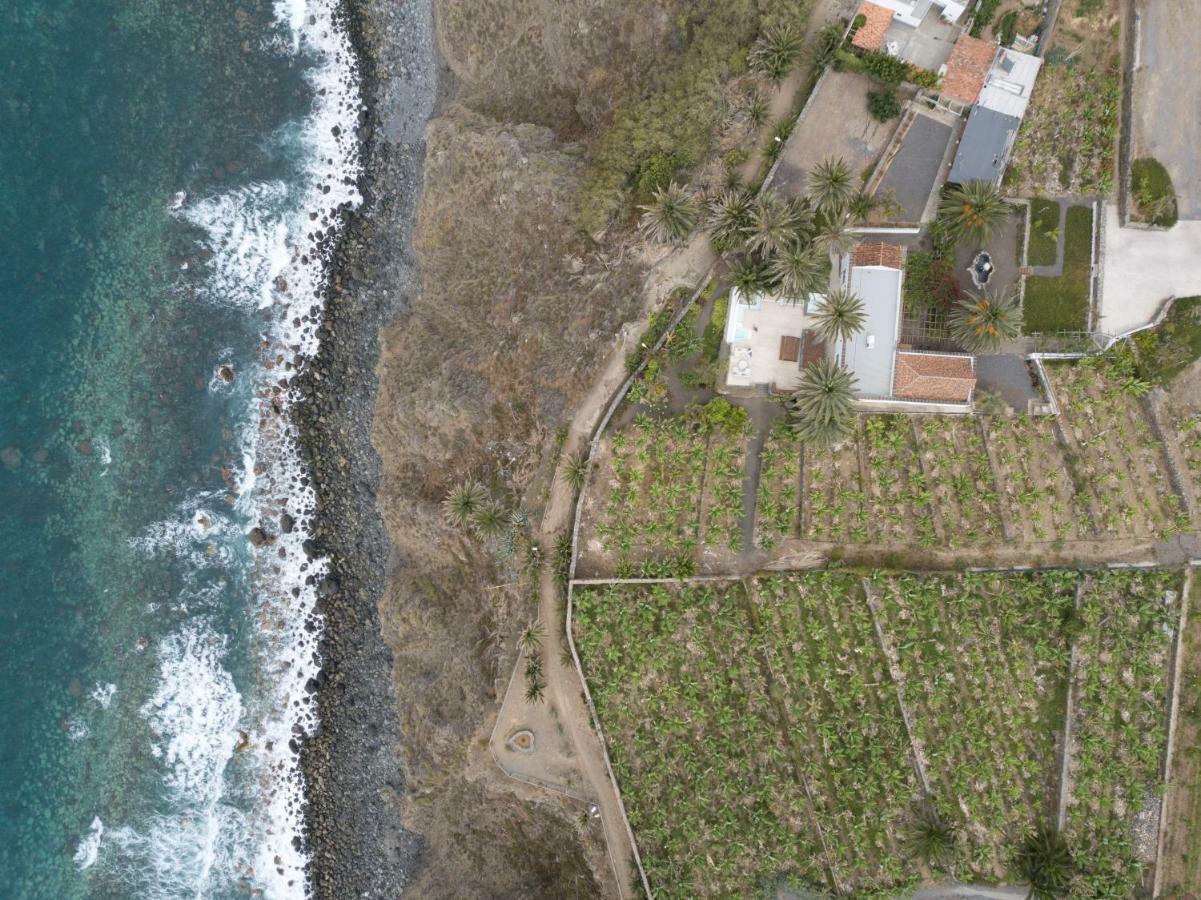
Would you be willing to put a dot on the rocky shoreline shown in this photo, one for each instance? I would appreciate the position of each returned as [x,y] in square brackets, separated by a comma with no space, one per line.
[354,777]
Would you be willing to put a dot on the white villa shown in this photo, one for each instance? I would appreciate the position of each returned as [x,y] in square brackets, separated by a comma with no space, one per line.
[913,12]
[770,340]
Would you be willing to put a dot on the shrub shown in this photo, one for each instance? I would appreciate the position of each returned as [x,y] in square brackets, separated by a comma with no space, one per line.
[715,330]
[1006,29]
[923,78]
[983,16]
[930,281]
[846,61]
[1154,194]
[885,68]
[655,173]
[883,105]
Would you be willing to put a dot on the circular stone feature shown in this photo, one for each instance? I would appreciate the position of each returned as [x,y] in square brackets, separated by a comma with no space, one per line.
[521,741]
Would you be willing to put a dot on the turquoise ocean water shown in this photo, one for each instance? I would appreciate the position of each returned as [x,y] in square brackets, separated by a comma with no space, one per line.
[163,165]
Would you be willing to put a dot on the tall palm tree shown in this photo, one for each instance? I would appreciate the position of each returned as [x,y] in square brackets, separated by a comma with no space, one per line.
[833,235]
[670,216]
[730,218]
[774,225]
[823,407]
[831,185]
[776,51]
[840,317]
[798,271]
[971,212]
[980,323]
[1044,861]
[463,502]
[932,840]
[750,277]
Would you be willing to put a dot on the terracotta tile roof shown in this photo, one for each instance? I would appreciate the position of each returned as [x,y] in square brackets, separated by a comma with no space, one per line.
[870,35]
[967,67]
[941,377]
[878,253]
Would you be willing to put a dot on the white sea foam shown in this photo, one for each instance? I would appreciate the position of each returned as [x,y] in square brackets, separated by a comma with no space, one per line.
[89,848]
[103,694]
[235,784]
[77,730]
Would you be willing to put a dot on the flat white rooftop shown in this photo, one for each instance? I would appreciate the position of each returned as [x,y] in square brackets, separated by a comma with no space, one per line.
[869,355]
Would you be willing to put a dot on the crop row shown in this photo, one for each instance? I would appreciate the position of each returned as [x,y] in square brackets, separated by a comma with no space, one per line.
[807,725]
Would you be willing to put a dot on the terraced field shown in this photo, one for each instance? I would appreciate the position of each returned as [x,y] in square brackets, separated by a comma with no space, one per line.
[802,724]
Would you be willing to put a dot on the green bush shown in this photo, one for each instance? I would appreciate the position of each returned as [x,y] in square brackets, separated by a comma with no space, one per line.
[883,105]
[655,173]
[1006,29]
[930,281]
[923,78]
[846,61]
[985,11]
[885,68]
[1154,193]
[715,330]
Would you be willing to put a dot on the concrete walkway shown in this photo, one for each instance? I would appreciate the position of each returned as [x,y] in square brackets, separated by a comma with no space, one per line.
[1144,268]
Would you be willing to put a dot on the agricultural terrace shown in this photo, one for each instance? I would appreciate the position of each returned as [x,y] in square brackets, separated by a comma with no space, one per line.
[1115,459]
[669,489]
[983,660]
[758,728]
[1127,625]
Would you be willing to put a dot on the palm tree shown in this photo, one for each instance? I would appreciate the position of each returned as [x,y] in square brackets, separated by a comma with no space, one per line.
[773,226]
[776,51]
[823,406]
[798,271]
[463,502]
[840,317]
[531,637]
[670,216]
[970,212]
[830,184]
[489,520]
[1044,861]
[861,206]
[750,277]
[932,840]
[833,235]
[980,323]
[730,218]
[757,109]
[824,49]
[534,692]
[575,470]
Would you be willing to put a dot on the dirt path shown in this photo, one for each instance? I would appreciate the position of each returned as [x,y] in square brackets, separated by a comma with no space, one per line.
[564,690]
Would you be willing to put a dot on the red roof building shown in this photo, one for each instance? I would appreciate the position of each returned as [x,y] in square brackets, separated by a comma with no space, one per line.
[934,377]
[967,68]
[876,19]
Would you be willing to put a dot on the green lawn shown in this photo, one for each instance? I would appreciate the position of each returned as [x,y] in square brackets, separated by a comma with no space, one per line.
[1061,303]
[1044,227]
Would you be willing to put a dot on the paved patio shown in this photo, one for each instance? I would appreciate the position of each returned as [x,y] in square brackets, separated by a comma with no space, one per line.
[928,45]
[1008,375]
[835,124]
[755,333]
[1144,268]
[1003,248]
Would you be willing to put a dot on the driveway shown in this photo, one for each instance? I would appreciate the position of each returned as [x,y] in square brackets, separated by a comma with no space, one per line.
[1144,268]
[1167,96]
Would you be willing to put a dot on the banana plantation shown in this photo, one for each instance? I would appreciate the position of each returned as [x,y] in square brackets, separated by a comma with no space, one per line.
[809,723]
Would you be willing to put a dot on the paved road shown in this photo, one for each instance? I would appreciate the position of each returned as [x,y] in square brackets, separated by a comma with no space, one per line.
[1167,96]
[1144,268]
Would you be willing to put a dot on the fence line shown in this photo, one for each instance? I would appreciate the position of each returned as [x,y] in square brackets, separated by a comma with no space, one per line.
[1173,713]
